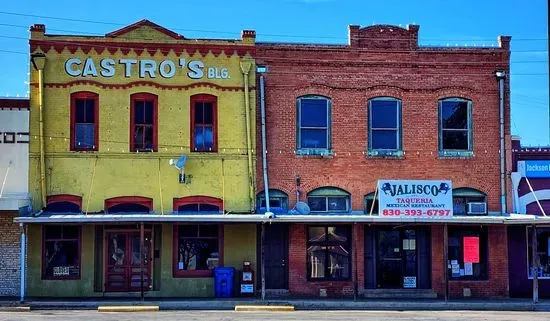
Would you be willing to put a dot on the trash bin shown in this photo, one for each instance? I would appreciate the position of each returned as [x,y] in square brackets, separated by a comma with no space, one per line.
[223,282]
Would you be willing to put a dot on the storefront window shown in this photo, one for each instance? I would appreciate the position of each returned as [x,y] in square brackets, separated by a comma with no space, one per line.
[197,249]
[543,247]
[329,253]
[61,252]
[467,258]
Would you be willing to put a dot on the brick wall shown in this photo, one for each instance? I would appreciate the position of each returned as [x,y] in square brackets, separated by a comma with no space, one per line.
[298,282]
[350,76]
[497,266]
[9,255]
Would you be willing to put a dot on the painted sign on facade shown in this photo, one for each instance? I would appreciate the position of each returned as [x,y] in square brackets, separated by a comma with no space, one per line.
[537,168]
[415,198]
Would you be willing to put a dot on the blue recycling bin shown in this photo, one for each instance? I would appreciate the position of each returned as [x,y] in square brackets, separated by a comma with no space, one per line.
[223,281]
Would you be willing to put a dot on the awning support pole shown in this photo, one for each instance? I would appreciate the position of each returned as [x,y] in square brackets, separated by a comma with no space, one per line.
[141,255]
[446,260]
[22,262]
[535,257]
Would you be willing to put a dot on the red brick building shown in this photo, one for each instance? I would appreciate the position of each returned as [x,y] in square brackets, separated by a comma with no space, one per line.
[341,117]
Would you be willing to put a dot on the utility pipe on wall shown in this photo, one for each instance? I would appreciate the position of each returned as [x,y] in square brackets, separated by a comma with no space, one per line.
[501,76]
[22,262]
[266,182]
[245,68]
[39,61]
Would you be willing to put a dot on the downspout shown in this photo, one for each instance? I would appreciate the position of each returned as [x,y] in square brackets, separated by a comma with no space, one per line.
[245,68]
[39,61]
[22,262]
[261,70]
[501,76]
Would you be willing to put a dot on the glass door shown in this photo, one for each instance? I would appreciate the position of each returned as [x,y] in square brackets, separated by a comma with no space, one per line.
[389,259]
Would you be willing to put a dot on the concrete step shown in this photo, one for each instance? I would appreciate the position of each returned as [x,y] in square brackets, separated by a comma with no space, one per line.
[399,294]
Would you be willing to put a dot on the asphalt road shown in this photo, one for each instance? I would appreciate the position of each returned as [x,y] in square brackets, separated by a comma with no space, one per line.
[265,316]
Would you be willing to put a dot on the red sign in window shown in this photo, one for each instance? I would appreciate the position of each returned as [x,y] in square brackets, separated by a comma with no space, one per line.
[471,249]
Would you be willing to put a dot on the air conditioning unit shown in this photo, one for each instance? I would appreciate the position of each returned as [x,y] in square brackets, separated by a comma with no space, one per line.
[477,208]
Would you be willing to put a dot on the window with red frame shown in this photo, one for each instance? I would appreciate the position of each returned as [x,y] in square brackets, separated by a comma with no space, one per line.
[143,131]
[84,121]
[61,252]
[197,249]
[204,131]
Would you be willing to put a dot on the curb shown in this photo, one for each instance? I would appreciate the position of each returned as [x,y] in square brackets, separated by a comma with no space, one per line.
[129,308]
[15,309]
[271,308]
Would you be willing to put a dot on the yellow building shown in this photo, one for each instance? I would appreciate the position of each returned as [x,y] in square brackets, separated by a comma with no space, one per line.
[142,161]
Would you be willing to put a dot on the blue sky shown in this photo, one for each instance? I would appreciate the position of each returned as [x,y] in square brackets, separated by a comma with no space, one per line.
[442,22]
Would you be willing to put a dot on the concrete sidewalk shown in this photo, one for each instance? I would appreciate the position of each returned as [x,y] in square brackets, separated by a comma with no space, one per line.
[298,304]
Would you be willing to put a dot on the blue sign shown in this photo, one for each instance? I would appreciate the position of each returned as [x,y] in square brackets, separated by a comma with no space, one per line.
[537,168]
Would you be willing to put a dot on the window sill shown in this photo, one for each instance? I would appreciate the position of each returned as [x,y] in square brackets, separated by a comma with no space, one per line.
[468,280]
[194,274]
[61,278]
[455,154]
[313,152]
[83,150]
[329,280]
[385,154]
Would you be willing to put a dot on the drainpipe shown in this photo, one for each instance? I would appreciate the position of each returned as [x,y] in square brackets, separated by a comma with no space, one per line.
[22,262]
[501,76]
[39,61]
[245,68]
[262,70]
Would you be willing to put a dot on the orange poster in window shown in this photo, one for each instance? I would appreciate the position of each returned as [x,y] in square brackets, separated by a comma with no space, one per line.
[471,249]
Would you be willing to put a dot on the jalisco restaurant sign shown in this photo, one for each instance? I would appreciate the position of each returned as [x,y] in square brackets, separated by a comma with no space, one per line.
[144,68]
[415,198]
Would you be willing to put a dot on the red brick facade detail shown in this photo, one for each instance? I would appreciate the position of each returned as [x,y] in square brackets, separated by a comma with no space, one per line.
[497,267]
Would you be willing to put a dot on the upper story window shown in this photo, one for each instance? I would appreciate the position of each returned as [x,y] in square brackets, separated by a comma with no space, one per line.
[329,199]
[455,127]
[198,204]
[384,126]
[468,200]
[84,121]
[64,203]
[278,201]
[204,123]
[143,117]
[313,125]
[371,204]
[129,204]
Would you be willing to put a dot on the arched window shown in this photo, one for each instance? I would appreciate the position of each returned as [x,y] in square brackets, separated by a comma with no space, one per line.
[455,127]
[384,126]
[198,204]
[64,203]
[128,204]
[143,126]
[313,126]
[204,123]
[84,121]
[278,201]
[468,200]
[369,206]
[329,200]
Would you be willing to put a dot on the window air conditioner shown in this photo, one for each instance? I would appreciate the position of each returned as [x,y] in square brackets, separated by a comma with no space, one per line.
[477,208]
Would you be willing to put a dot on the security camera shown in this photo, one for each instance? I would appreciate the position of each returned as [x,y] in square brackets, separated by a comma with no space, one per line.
[269,215]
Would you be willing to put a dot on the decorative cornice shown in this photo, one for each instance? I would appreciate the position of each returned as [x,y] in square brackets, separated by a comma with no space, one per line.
[145,83]
[140,47]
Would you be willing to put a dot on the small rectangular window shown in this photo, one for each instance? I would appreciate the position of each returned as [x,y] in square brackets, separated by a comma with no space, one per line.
[197,250]
[204,123]
[61,252]
[455,130]
[384,126]
[84,122]
[313,122]
[329,253]
[144,123]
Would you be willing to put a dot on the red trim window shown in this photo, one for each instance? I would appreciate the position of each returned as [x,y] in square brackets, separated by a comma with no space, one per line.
[84,121]
[61,252]
[198,204]
[198,249]
[204,123]
[64,203]
[143,122]
[129,204]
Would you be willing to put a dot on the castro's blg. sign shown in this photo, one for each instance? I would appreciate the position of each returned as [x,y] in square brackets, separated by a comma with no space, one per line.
[408,198]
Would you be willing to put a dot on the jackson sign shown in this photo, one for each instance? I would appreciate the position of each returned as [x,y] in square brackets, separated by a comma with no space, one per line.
[407,198]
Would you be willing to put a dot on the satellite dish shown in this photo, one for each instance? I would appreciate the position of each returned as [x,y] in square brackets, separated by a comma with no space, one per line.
[180,163]
[302,208]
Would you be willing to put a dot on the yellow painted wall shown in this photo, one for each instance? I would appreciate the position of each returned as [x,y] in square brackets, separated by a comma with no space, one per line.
[121,173]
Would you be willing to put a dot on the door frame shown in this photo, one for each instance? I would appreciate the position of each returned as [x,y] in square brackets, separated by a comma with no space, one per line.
[128,232]
[286,245]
